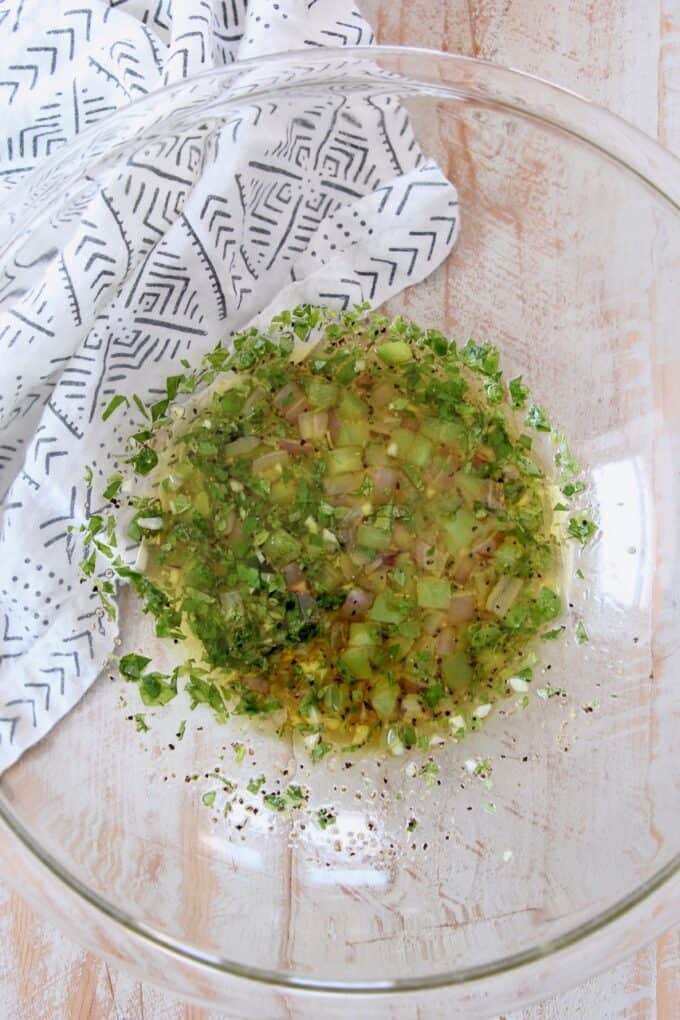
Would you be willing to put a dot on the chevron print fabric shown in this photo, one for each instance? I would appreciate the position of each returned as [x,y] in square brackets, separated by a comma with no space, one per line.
[214,219]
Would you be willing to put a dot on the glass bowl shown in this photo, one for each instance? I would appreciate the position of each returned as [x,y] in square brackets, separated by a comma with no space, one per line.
[509,887]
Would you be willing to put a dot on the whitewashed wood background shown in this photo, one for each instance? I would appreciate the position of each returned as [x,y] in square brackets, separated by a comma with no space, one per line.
[625,55]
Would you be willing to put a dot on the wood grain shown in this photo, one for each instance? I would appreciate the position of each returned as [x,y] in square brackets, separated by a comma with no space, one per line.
[624,55]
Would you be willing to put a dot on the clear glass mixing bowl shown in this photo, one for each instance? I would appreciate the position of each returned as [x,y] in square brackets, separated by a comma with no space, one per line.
[569,259]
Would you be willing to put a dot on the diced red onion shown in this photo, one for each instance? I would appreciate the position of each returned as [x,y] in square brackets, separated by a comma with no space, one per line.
[401,537]
[256,683]
[461,609]
[356,605]
[295,579]
[286,395]
[312,425]
[430,556]
[483,455]
[389,558]
[503,594]
[294,410]
[291,401]
[346,567]
[383,393]
[334,425]
[338,635]
[440,478]
[383,428]
[268,461]
[489,545]
[384,482]
[342,484]
[305,602]
[295,447]
[445,642]
[434,621]
[242,446]
[348,526]
[231,602]
[464,568]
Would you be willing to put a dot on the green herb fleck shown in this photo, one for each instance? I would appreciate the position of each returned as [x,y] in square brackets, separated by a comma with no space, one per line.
[538,419]
[519,393]
[325,817]
[113,406]
[551,692]
[132,666]
[255,785]
[429,771]
[581,528]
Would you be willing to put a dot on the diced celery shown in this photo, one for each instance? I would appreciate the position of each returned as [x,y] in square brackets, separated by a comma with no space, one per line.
[351,407]
[459,530]
[472,488]
[202,502]
[281,548]
[398,647]
[356,659]
[449,433]
[362,635]
[376,455]
[386,609]
[384,698]
[344,460]
[322,394]
[394,352]
[283,492]
[401,440]
[410,629]
[373,538]
[433,593]
[457,671]
[353,433]
[419,451]
[336,698]
[309,709]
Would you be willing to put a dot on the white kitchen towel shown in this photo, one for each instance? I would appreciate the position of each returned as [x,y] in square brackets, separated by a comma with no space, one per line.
[169,248]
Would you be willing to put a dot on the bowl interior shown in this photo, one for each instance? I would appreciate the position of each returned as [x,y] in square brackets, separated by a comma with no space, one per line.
[568,262]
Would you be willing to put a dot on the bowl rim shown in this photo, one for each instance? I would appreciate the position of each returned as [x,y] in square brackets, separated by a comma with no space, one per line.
[613,138]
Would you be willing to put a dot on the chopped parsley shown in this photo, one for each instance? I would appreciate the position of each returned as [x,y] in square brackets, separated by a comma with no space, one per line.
[325,817]
[140,723]
[429,772]
[581,528]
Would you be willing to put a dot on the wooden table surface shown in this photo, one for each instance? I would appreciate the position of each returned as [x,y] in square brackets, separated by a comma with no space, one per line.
[624,55]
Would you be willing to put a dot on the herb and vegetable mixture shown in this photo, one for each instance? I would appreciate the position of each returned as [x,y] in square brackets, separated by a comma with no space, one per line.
[343,517]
